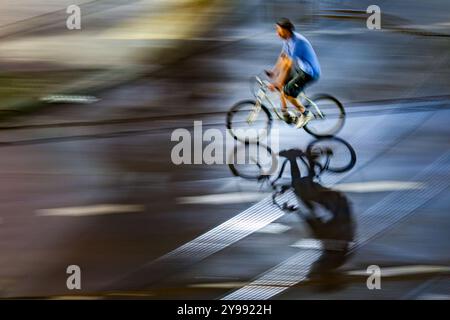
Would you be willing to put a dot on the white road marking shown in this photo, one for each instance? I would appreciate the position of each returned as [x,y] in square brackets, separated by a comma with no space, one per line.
[379,186]
[314,244]
[224,198]
[275,228]
[99,209]
[404,270]
[69,99]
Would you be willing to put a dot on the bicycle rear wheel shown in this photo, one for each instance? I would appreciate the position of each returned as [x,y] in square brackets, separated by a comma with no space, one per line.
[252,161]
[332,119]
[342,156]
[247,126]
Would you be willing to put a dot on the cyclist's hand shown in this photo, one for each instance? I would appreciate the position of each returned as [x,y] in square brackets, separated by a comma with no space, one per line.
[274,86]
[269,73]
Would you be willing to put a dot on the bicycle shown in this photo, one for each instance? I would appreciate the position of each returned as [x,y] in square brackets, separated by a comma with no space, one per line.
[327,111]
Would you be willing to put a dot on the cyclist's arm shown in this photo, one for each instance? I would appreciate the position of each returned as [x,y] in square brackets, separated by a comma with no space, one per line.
[284,71]
[277,67]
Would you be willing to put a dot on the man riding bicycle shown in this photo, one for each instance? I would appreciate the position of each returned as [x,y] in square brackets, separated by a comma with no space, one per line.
[297,66]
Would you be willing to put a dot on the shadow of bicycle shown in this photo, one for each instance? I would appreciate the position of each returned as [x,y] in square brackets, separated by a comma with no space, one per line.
[327,212]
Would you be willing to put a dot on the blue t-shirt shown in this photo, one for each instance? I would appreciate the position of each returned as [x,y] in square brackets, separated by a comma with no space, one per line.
[302,54]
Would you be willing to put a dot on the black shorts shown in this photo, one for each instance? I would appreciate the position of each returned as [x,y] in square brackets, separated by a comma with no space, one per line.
[296,82]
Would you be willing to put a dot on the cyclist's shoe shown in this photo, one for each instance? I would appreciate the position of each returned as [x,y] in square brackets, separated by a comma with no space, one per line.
[306,117]
[300,121]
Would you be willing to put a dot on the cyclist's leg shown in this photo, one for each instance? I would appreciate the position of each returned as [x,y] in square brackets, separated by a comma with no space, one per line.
[284,97]
[293,88]
[296,103]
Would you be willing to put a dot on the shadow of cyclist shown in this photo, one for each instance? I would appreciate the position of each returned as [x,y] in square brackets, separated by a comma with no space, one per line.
[335,230]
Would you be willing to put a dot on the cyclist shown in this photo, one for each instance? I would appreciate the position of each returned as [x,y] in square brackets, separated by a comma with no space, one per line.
[296,67]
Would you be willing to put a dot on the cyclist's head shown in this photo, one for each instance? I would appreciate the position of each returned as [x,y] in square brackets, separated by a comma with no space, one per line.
[284,28]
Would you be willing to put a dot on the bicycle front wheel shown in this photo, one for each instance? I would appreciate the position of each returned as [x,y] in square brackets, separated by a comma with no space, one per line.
[329,116]
[247,123]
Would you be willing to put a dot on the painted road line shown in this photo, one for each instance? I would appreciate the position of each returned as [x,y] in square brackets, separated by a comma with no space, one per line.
[404,271]
[274,228]
[99,209]
[312,244]
[316,244]
[224,198]
[227,233]
[222,285]
[378,186]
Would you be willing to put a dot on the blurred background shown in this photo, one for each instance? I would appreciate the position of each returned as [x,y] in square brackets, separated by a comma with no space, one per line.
[85,143]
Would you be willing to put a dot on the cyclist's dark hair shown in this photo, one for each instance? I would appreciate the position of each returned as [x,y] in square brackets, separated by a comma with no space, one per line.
[285,23]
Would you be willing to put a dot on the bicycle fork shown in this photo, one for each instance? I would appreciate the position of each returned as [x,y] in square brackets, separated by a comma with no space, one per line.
[255,111]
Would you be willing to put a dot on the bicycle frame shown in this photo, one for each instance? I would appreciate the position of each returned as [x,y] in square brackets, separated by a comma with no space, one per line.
[261,96]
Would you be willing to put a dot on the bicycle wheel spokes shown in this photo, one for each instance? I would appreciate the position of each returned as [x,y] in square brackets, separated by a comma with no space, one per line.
[329,116]
[247,123]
